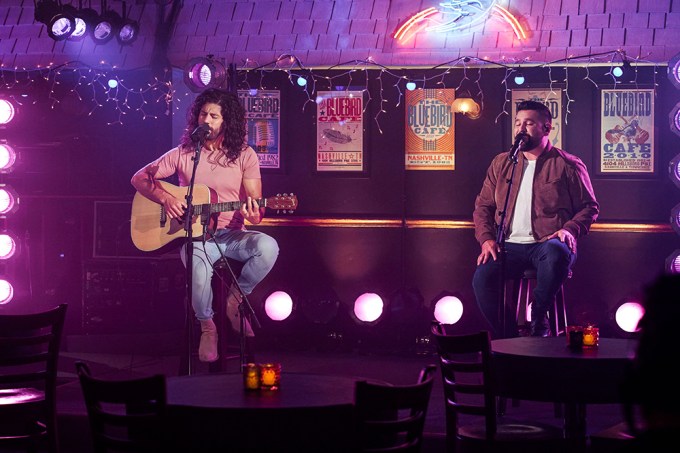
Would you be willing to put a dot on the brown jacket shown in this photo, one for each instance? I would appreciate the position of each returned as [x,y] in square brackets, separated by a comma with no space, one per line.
[562,197]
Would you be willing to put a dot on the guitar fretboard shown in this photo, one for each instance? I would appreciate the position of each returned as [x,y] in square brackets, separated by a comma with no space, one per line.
[226,206]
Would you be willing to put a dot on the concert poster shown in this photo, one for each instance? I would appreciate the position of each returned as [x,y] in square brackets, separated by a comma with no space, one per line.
[339,131]
[627,131]
[552,99]
[263,110]
[430,143]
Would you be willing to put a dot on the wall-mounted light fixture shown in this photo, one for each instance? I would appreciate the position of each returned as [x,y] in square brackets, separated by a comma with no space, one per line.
[60,22]
[204,72]
[467,106]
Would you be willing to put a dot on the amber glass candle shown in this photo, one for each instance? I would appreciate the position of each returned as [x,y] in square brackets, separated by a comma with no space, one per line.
[270,376]
[591,336]
[251,377]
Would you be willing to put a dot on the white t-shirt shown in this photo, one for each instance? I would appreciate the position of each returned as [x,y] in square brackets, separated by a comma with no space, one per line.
[520,227]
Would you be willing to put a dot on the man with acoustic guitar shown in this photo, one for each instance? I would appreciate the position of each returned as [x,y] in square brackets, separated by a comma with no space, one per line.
[231,170]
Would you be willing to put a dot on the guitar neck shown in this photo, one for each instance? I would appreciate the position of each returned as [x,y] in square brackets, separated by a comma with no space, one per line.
[227,206]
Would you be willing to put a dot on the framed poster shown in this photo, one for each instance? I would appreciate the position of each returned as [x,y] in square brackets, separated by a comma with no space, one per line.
[430,143]
[552,99]
[627,132]
[263,110]
[340,131]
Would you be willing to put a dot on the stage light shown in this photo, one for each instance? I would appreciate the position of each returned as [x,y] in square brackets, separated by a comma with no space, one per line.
[410,86]
[86,19]
[627,315]
[675,218]
[301,81]
[204,72]
[112,83]
[107,27]
[672,265]
[674,170]
[617,71]
[6,291]
[519,79]
[59,21]
[8,157]
[9,201]
[674,119]
[368,308]
[278,306]
[674,70]
[448,308]
[9,245]
[129,29]
[7,111]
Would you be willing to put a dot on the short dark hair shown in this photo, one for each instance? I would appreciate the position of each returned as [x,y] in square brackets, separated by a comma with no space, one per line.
[539,107]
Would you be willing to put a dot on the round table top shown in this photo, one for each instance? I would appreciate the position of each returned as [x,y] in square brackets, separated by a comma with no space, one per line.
[556,347]
[545,369]
[227,391]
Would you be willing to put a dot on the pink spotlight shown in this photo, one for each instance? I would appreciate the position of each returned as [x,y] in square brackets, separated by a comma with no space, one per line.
[7,157]
[448,310]
[278,306]
[628,315]
[8,246]
[368,307]
[6,111]
[6,291]
[8,200]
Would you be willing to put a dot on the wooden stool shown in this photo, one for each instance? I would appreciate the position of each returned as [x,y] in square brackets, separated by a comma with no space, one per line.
[521,295]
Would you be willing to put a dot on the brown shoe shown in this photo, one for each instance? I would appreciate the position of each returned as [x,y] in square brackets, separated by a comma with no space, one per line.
[207,349]
[234,315]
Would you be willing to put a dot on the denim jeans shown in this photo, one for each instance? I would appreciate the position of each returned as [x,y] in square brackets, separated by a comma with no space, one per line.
[255,249]
[552,260]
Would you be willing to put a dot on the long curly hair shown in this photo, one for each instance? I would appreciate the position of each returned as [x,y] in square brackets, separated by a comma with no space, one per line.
[233,126]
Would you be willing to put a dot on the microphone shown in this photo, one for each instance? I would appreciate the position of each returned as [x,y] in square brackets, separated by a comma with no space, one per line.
[200,133]
[520,140]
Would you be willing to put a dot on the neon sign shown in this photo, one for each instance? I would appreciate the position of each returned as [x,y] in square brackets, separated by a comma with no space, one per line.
[456,15]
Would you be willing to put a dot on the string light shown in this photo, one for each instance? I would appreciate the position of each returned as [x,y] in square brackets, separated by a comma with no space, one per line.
[91,84]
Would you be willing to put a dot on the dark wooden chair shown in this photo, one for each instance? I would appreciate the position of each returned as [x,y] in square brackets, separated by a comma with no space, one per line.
[125,415]
[392,417]
[472,423]
[29,354]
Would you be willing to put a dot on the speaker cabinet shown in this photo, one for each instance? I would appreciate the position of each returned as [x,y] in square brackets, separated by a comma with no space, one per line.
[133,296]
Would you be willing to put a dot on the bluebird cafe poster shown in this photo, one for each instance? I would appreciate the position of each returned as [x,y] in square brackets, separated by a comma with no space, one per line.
[553,100]
[627,131]
[339,131]
[429,129]
[263,109]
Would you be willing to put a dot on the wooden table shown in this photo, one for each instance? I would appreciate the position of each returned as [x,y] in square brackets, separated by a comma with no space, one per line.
[545,369]
[214,412]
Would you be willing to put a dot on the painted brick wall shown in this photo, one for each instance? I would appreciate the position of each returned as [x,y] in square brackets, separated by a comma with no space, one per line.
[327,32]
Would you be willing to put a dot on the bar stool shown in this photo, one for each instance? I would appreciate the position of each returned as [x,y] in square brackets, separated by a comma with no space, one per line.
[557,316]
[521,295]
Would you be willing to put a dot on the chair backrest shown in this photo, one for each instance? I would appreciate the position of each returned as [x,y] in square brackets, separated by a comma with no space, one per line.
[29,354]
[124,415]
[465,363]
[392,417]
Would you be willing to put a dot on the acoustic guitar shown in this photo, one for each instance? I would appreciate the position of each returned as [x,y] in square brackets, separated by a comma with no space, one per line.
[151,228]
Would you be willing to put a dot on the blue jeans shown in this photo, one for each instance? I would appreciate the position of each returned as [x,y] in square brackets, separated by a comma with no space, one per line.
[552,260]
[255,249]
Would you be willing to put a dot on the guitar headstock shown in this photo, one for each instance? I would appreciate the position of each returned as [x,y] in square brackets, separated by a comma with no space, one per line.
[283,202]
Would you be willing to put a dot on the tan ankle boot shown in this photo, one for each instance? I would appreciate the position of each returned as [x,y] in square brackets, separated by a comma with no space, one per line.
[234,315]
[207,349]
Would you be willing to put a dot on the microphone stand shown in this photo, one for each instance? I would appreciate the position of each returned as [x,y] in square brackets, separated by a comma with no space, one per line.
[500,238]
[189,250]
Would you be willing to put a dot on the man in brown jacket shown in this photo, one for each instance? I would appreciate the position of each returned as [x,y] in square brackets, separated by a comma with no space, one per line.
[550,205]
